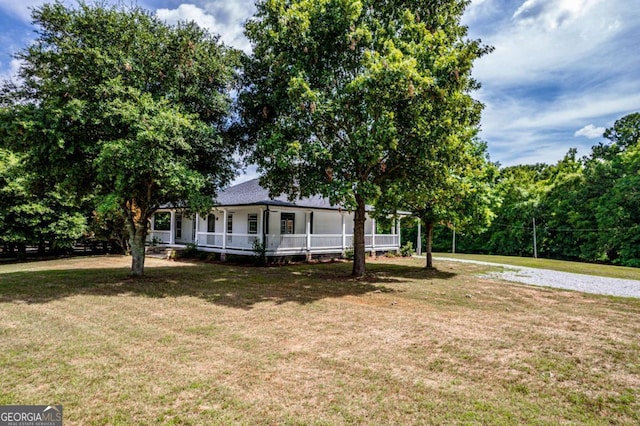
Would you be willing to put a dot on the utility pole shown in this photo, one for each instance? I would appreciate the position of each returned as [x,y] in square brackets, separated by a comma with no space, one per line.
[535,244]
[453,246]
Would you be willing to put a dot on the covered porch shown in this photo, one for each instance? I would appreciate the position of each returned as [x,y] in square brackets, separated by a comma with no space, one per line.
[290,231]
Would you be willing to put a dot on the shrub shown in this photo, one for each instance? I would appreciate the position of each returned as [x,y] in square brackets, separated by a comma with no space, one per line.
[407,249]
[191,252]
[212,257]
[348,253]
[259,253]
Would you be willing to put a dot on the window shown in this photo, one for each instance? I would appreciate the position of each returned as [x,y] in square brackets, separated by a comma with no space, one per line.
[162,221]
[178,226]
[287,223]
[229,223]
[253,224]
[211,223]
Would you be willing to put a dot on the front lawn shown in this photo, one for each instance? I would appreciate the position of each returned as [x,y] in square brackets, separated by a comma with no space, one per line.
[198,343]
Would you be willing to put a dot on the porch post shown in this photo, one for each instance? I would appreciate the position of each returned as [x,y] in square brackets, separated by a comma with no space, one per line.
[344,234]
[308,231]
[224,229]
[398,230]
[261,226]
[373,236]
[172,228]
[265,229]
[196,225]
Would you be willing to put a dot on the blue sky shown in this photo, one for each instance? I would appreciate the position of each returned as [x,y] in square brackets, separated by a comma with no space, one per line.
[562,70]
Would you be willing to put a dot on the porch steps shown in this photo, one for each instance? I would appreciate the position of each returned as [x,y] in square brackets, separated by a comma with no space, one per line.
[162,252]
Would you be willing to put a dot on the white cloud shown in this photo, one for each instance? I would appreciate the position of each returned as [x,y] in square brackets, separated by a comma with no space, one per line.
[575,109]
[571,110]
[21,9]
[475,9]
[557,65]
[12,72]
[545,37]
[523,129]
[222,17]
[551,14]
[188,12]
[590,131]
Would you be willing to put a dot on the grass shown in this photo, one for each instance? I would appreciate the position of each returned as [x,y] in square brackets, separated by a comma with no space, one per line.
[600,270]
[198,343]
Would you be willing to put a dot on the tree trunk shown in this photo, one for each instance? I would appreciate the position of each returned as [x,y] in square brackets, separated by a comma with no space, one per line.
[22,251]
[429,237]
[359,267]
[137,237]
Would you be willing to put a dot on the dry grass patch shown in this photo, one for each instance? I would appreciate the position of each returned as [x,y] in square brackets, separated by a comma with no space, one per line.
[305,344]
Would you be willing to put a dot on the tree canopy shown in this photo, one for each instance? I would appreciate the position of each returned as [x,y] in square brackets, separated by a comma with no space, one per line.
[342,95]
[585,208]
[33,211]
[460,194]
[114,102]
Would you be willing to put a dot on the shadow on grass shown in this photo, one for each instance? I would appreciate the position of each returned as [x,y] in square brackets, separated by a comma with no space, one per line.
[227,285]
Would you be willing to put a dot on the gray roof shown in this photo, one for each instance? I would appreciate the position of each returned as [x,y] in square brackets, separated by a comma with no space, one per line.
[251,193]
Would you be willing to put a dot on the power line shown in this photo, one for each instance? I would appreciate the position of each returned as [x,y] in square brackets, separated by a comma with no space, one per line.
[522,227]
[584,230]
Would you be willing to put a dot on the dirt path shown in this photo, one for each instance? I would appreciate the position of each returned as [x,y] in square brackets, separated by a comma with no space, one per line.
[564,280]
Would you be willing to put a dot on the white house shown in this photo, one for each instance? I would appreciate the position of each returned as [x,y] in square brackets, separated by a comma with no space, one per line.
[245,215]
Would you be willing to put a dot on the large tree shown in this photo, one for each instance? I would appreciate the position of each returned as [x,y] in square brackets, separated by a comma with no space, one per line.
[585,209]
[456,192]
[340,93]
[114,102]
[34,211]
[616,167]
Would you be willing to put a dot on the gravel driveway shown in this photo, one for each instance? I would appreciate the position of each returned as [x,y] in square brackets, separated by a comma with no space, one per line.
[565,280]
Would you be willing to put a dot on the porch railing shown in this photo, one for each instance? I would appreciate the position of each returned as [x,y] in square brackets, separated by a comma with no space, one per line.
[209,239]
[292,242]
[241,241]
[327,241]
[162,237]
[284,242]
[386,240]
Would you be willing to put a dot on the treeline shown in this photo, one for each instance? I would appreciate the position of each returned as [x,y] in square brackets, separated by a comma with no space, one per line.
[113,113]
[39,214]
[585,209]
